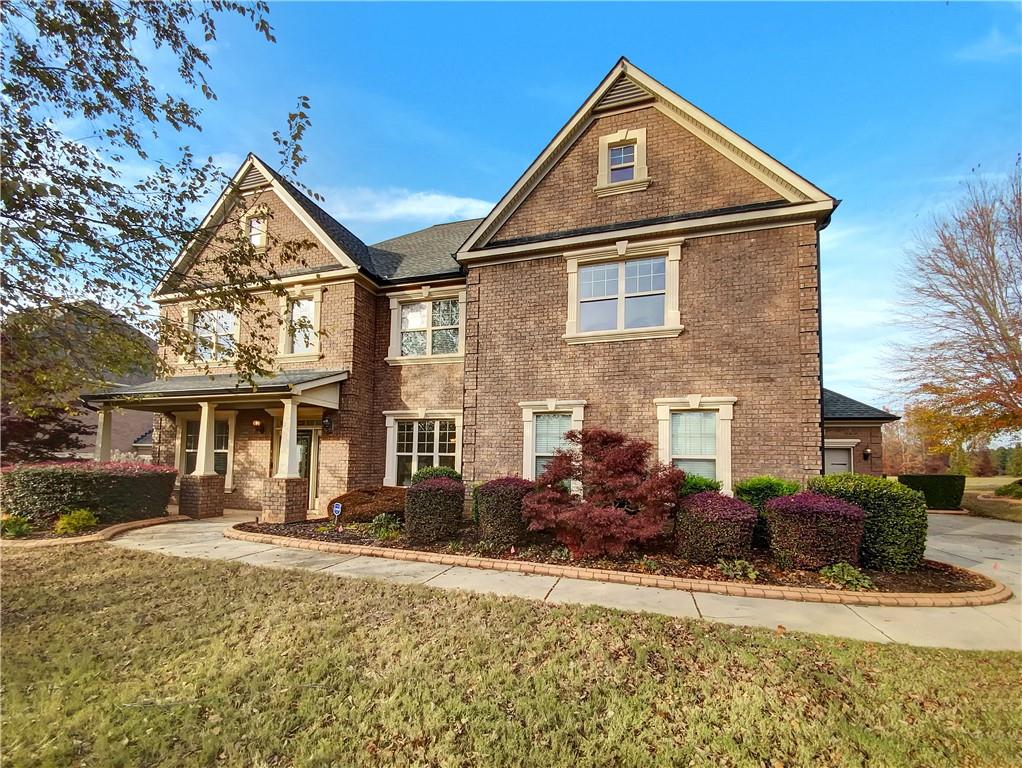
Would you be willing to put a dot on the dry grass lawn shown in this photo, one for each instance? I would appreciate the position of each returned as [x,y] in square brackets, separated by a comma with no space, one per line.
[1001,509]
[121,658]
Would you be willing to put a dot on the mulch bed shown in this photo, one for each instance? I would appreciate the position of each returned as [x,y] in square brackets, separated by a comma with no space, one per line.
[43,533]
[656,560]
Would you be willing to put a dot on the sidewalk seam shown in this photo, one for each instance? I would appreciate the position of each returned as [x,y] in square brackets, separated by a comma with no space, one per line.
[870,623]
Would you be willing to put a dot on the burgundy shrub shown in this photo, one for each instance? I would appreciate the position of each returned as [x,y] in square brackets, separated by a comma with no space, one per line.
[810,530]
[500,510]
[625,501]
[712,526]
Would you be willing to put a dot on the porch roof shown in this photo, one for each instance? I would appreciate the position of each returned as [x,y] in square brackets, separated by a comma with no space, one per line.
[284,382]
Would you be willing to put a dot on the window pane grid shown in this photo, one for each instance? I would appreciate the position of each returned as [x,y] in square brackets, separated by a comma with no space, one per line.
[607,303]
[430,328]
[214,333]
[221,446]
[424,443]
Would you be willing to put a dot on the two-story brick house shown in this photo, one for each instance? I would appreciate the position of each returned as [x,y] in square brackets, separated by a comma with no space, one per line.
[651,272]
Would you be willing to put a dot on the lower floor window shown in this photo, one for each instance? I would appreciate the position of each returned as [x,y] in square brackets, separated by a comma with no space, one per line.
[221,440]
[549,429]
[424,443]
[694,442]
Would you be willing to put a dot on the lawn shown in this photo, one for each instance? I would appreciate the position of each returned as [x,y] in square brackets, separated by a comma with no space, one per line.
[121,658]
[1002,509]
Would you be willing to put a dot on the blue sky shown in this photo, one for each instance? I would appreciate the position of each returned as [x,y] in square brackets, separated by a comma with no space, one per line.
[425,113]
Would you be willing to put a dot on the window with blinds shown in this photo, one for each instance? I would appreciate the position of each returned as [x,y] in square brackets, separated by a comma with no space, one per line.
[694,442]
[549,429]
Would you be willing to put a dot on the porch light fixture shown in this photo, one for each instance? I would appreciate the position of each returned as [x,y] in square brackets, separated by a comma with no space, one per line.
[257,426]
[867,453]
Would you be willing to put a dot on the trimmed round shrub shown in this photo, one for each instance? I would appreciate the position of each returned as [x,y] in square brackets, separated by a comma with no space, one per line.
[427,473]
[499,504]
[941,491]
[713,527]
[362,505]
[114,491]
[698,484]
[810,530]
[894,537]
[434,509]
[757,491]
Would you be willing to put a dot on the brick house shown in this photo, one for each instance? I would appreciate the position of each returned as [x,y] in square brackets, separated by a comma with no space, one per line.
[651,272]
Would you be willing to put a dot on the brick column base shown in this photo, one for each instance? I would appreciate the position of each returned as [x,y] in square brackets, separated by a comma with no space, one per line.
[285,500]
[201,496]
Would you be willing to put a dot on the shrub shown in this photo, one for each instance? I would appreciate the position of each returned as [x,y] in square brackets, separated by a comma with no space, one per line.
[14,527]
[75,522]
[427,473]
[740,570]
[1011,490]
[499,505]
[625,502]
[712,527]
[941,491]
[386,526]
[434,509]
[114,491]
[757,491]
[847,576]
[698,484]
[363,504]
[810,530]
[895,533]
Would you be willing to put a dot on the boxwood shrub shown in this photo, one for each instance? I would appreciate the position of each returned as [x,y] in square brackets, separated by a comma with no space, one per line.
[941,491]
[434,509]
[113,491]
[894,536]
[427,473]
[810,530]
[757,491]
[499,504]
[713,527]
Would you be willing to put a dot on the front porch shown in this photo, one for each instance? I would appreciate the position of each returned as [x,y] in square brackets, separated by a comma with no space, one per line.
[251,445]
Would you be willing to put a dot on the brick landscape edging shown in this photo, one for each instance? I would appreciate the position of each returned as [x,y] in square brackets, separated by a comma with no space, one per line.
[995,594]
[107,533]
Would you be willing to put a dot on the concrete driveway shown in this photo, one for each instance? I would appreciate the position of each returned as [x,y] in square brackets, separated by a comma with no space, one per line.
[992,547]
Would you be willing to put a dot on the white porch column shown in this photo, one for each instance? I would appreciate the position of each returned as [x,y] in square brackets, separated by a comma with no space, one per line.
[287,456]
[207,426]
[103,433]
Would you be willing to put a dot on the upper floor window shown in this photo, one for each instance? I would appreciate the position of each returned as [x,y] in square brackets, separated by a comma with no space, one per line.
[622,163]
[622,295]
[303,325]
[256,230]
[216,333]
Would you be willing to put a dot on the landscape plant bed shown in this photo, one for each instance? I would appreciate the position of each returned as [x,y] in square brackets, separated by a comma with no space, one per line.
[933,577]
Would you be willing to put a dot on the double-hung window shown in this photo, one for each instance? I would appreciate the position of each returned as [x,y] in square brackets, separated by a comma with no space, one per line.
[430,328]
[548,432]
[302,318]
[221,445]
[694,442]
[621,163]
[215,333]
[425,443]
[622,295]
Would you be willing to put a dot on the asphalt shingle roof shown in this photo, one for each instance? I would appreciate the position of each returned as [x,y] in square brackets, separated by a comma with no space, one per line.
[838,406]
[221,383]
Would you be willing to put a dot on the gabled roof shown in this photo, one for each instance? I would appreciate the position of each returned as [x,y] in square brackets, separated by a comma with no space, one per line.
[428,252]
[838,407]
[627,85]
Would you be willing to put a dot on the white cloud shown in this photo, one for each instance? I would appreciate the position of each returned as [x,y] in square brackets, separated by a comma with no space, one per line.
[362,204]
[994,46]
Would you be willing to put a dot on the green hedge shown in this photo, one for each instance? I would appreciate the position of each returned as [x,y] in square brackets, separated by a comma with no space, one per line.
[499,503]
[434,509]
[941,491]
[757,491]
[428,473]
[895,533]
[114,491]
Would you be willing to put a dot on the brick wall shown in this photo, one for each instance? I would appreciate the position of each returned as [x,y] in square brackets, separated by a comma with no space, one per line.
[869,436]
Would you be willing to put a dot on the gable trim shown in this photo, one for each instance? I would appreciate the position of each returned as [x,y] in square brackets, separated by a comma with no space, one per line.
[743,153]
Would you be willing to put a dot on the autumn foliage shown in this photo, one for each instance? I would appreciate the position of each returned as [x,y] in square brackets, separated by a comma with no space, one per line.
[626,499]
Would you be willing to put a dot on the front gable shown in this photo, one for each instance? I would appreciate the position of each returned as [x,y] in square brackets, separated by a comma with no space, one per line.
[692,166]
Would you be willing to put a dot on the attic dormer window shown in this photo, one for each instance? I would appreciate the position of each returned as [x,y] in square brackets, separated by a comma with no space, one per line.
[622,163]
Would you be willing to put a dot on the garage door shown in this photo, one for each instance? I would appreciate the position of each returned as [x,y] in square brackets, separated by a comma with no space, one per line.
[837,460]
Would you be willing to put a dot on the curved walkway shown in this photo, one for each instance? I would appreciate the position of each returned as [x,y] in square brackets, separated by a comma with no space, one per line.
[992,547]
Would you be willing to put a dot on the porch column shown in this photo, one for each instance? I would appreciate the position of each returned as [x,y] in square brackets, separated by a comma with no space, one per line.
[287,457]
[104,427]
[286,494]
[207,428]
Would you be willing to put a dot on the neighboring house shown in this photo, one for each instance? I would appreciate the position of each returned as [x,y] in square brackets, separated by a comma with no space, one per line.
[651,272]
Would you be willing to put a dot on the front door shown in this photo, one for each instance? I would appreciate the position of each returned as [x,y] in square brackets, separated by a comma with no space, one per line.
[837,460]
[305,458]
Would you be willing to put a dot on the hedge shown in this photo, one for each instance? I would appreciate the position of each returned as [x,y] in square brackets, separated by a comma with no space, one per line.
[114,491]
[363,504]
[757,491]
[894,537]
[810,530]
[499,504]
[712,527]
[698,484]
[941,491]
[434,509]
[428,473]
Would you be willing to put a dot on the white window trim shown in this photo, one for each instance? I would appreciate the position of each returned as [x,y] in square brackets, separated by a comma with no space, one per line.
[529,410]
[620,252]
[423,414]
[425,293]
[639,182]
[848,443]
[189,311]
[284,341]
[724,406]
[182,419]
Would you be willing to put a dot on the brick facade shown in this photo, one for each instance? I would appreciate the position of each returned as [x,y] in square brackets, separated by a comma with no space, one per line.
[869,436]
[285,500]
[201,496]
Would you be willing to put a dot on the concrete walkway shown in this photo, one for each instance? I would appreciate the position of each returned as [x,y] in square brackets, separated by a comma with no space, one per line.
[991,547]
